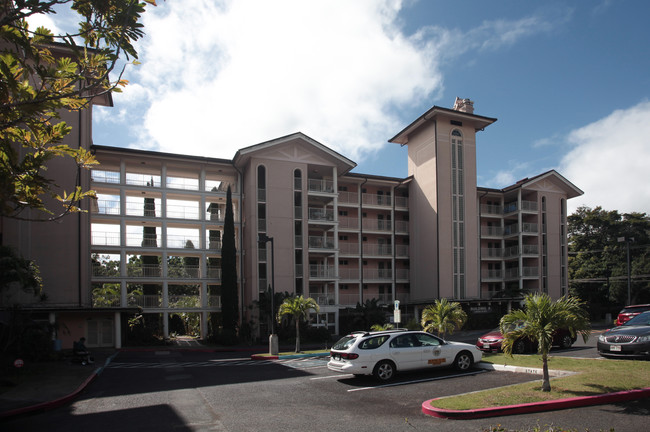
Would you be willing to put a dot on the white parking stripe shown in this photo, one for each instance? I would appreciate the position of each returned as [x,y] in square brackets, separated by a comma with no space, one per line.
[415,381]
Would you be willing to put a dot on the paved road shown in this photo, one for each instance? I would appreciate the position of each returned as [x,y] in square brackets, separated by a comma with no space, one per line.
[189,391]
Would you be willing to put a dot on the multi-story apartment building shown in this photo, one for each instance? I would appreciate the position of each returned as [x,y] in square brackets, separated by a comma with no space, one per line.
[152,238]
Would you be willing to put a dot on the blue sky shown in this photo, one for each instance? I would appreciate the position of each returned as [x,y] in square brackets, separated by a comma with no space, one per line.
[568,81]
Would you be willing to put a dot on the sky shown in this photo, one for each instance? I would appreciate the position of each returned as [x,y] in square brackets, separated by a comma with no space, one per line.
[568,81]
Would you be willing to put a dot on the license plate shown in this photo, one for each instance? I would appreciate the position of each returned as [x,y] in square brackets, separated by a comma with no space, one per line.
[337,356]
[615,348]
[486,346]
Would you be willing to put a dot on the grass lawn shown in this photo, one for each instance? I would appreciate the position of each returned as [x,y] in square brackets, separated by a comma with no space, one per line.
[595,377]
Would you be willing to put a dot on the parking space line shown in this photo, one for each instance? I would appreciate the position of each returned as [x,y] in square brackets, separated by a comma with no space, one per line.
[332,376]
[416,381]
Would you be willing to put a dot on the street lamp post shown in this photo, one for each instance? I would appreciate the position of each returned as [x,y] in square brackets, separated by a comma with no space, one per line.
[273,338]
[628,240]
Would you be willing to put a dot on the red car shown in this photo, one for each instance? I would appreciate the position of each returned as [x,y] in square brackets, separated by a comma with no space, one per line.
[629,312]
[492,342]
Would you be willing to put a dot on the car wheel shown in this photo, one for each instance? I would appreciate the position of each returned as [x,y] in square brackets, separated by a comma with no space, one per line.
[566,342]
[519,347]
[384,370]
[463,361]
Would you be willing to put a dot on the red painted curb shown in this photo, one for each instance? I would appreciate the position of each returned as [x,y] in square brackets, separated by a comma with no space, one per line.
[533,407]
[264,357]
[44,406]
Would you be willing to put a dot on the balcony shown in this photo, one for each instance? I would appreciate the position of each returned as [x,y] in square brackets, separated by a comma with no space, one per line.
[348,198]
[349,273]
[320,215]
[492,275]
[321,243]
[401,227]
[377,225]
[491,209]
[105,206]
[401,202]
[105,238]
[177,211]
[145,301]
[492,231]
[213,273]
[323,299]
[382,250]
[401,251]
[377,274]
[144,270]
[348,248]
[376,200]
[320,186]
[184,301]
[348,223]
[526,206]
[184,271]
[491,253]
[317,271]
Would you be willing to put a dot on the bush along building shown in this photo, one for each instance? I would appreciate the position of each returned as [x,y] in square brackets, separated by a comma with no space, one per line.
[151,244]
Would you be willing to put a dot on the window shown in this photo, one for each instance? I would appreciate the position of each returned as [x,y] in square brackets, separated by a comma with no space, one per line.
[373,342]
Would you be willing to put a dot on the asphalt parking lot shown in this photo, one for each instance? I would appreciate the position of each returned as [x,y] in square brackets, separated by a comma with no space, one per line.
[191,391]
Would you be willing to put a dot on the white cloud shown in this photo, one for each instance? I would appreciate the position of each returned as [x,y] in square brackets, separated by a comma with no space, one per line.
[245,72]
[610,161]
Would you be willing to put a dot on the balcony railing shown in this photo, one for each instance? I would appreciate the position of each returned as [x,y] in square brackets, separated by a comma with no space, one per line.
[183,212]
[213,272]
[376,200]
[107,207]
[348,197]
[183,241]
[402,251]
[184,301]
[348,223]
[377,250]
[491,253]
[184,272]
[401,227]
[214,301]
[144,270]
[348,248]
[321,243]
[99,270]
[321,272]
[401,202]
[402,274]
[348,273]
[491,209]
[525,206]
[323,299]
[492,274]
[377,274]
[492,231]
[377,225]
[317,185]
[145,301]
[318,214]
[102,238]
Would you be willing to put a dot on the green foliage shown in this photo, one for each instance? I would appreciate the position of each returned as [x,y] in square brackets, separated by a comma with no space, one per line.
[297,308]
[42,75]
[382,327]
[14,269]
[443,317]
[598,261]
[107,295]
[539,319]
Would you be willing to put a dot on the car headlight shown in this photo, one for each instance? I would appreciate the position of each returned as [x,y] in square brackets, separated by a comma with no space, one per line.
[643,338]
[601,338]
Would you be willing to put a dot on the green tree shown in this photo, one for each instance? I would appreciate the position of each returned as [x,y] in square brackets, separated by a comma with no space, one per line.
[598,260]
[43,74]
[297,308]
[443,317]
[14,269]
[539,320]
[229,296]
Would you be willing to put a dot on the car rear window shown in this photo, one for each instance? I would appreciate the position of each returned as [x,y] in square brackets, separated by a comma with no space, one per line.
[373,342]
[344,343]
[635,309]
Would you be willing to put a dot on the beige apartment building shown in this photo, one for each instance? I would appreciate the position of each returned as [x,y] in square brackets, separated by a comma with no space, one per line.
[338,236]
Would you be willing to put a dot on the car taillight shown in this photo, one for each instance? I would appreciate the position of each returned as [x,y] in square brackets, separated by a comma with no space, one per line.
[349,356]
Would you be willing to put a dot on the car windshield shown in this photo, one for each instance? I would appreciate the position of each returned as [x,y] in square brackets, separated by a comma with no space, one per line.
[344,343]
[639,320]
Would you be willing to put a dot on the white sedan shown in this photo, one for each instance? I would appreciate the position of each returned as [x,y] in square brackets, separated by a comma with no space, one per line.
[384,353]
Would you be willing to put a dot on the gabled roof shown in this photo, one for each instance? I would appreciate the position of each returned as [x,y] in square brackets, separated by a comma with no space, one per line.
[342,163]
[479,122]
[571,189]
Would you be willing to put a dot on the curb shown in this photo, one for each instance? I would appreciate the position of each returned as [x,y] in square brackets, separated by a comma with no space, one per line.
[534,407]
[287,356]
[46,406]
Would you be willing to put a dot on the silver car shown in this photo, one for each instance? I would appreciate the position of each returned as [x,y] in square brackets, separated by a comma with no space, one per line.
[384,353]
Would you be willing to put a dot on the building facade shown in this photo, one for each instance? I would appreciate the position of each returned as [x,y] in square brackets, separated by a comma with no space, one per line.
[151,241]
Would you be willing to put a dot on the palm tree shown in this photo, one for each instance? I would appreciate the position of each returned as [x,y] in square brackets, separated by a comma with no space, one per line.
[382,327]
[443,317]
[297,308]
[540,318]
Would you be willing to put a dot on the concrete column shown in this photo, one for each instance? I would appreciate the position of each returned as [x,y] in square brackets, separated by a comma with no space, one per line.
[118,330]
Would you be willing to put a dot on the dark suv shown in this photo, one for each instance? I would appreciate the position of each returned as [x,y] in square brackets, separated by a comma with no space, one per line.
[629,312]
